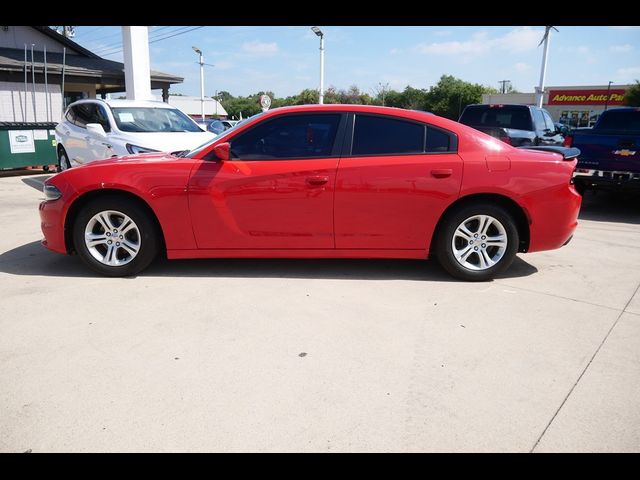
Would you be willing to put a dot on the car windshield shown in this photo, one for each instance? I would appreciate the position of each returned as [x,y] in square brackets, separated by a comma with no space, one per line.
[196,150]
[150,119]
[501,116]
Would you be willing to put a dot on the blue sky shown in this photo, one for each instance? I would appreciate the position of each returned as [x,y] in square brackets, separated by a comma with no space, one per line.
[285,59]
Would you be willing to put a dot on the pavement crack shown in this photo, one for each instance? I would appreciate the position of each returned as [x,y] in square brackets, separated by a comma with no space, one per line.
[585,369]
[498,281]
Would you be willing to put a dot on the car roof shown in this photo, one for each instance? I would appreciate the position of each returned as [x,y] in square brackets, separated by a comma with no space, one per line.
[418,115]
[126,103]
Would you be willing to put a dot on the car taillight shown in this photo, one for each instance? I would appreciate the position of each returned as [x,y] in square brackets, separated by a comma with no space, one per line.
[568,140]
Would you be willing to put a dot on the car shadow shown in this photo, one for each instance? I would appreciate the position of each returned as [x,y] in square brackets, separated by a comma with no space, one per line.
[34,259]
[610,207]
[36,182]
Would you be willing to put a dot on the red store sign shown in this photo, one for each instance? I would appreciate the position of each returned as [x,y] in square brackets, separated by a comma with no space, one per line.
[585,97]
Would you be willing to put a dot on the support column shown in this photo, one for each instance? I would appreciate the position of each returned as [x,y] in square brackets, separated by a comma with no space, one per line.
[165,94]
[137,75]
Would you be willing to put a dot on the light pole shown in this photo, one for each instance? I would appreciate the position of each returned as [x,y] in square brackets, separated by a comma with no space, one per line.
[319,33]
[606,102]
[199,52]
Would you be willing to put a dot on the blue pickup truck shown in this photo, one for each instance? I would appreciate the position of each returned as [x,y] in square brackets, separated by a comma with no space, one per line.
[610,152]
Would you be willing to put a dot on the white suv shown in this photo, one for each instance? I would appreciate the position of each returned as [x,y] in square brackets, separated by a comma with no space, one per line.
[98,129]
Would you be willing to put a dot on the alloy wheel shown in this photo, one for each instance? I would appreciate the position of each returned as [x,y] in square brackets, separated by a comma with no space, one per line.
[479,242]
[112,238]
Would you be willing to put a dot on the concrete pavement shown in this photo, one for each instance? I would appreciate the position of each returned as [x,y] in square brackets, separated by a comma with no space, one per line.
[290,355]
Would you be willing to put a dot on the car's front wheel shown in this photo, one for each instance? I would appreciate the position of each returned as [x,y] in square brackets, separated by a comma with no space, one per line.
[63,159]
[476,242]
[115,236]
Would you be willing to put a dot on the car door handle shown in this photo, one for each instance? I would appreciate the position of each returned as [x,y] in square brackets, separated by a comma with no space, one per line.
[442,172]
[317,180]
[87,138]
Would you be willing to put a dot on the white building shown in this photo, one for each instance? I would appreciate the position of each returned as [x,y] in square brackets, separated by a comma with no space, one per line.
[86,75]
[191,106]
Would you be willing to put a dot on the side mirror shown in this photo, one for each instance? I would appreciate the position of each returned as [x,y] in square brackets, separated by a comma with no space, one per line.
[223,151]
[96,129]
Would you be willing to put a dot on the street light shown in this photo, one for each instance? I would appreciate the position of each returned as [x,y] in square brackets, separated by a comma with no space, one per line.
[319,33]
[199,52]
[606,102]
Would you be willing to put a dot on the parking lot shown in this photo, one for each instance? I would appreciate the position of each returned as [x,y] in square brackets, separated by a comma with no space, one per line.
[335,355]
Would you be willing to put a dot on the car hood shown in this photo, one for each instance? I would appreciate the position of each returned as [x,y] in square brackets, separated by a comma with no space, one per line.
[167,141]
[141,158]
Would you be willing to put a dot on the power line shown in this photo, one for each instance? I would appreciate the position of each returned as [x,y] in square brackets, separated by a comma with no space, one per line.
[155,40]
[118,44]
[117,47]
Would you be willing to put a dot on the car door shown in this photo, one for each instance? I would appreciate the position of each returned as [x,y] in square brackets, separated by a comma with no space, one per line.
[88,146]
[554,137]
[540,127]
[276,192]
[393,183]
[72,135]
[99,147]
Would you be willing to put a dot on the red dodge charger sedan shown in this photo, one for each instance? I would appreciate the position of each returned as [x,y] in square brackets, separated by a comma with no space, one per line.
[319,181]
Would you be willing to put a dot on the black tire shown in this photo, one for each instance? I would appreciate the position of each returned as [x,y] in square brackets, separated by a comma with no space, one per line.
[149,236]
[445,236]
[63,159]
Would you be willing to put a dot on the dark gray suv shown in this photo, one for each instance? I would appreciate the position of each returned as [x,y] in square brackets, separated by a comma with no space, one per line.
[517,125]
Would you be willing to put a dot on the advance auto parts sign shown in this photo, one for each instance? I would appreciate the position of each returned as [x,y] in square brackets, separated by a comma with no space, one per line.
[21,141]
[585,97]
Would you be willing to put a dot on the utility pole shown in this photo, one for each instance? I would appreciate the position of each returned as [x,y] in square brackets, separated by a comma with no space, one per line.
[201,62]
[503,84]
[543,70]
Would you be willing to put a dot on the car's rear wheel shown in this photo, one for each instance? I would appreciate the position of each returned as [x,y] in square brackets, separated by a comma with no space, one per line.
[477,242]
[63,159]
[115,236]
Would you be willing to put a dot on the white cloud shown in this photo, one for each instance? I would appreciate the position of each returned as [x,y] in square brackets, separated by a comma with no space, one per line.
[582,49]
[395,51]
[621,48]
[260,48]
[518,40]
[522,67]
[223,65]
[442,33]
[629,74]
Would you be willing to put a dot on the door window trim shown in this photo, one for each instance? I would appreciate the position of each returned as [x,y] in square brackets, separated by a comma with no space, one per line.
[335,149]
[347,147]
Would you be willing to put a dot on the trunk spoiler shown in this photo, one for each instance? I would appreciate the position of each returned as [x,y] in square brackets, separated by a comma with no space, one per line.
[568,153]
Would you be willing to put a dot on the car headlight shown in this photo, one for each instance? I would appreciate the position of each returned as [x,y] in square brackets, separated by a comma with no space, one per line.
[135,149]
[51,192]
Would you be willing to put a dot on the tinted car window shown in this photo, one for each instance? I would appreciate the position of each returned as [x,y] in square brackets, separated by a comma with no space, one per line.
[84,113]
[216,127]
[291,136]
[386,136]
[623,120]
[549,121]
[501,116]
[70,116]
[539,119]
[101,118]
[437,141]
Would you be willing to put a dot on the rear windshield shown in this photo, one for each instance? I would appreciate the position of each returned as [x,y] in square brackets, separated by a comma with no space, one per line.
[506,116]
[623,120]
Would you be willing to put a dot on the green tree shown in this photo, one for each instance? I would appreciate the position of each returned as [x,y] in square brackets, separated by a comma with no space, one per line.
[632,96]
[450,95]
